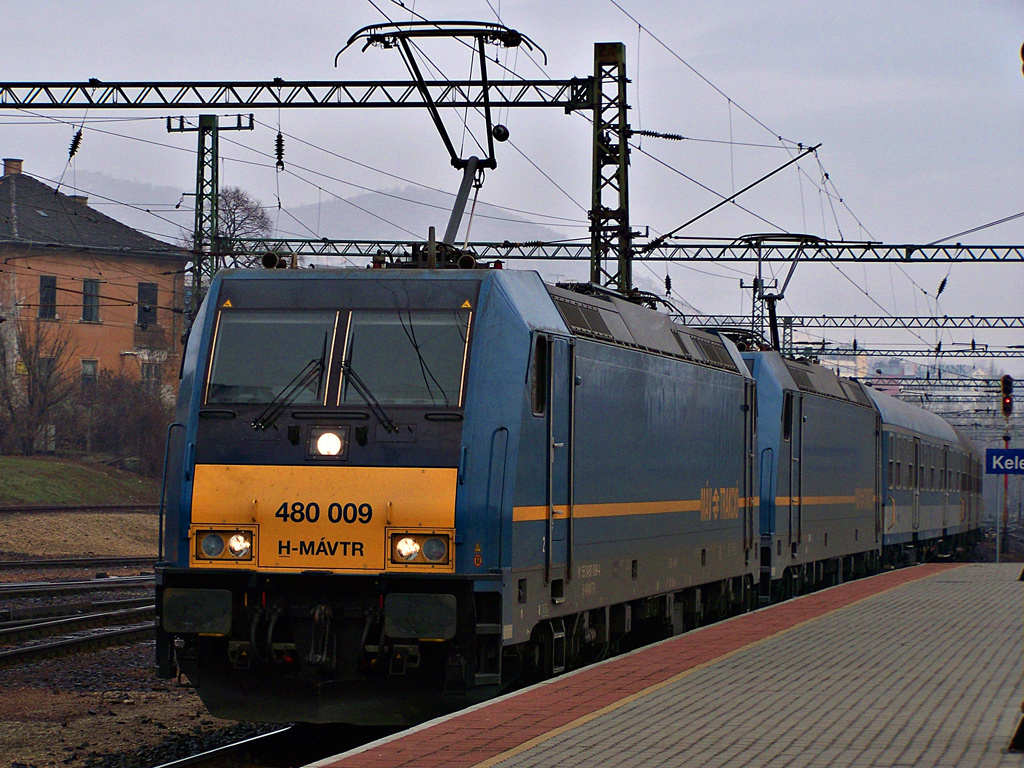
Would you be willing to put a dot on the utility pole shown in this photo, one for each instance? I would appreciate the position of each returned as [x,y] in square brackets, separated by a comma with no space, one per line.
[611,247]
[205,237]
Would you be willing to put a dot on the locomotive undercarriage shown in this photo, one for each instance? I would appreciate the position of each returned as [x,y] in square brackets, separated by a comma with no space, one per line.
[819,574]
[574,640]
[300,649]
[311,648]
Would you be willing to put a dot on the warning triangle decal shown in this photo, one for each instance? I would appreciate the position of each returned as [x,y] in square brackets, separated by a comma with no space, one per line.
[466,305]
[227,303]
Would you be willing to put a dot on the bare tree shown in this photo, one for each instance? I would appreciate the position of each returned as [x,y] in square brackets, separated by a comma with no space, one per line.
[241,215]
[130,422]
[36,381]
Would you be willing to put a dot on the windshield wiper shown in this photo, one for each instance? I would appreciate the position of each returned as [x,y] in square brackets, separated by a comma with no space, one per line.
[309,373]
[372,402]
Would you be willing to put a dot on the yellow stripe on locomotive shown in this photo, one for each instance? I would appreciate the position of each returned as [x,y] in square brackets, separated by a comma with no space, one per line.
[336,519]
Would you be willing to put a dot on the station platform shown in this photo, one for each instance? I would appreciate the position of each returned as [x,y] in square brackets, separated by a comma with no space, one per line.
[916,667]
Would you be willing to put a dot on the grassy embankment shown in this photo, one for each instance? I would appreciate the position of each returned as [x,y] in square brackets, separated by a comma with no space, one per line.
[45,481]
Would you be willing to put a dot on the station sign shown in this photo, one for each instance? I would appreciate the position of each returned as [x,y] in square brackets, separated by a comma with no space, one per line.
[1004,461]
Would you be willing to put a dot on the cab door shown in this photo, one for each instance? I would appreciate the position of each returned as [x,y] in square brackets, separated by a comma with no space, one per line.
[560,427]
[790,468]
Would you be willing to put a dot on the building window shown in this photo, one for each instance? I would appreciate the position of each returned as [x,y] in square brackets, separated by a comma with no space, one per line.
[90,371]
[147,304]
[48,297]
[152,376]
[44,367]
[90,301]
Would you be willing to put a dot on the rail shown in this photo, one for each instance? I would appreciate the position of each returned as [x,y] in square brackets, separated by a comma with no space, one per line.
[77,562]
[37,509]
[102,639]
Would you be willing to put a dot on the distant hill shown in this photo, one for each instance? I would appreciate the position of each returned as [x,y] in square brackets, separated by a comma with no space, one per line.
[399,214]
[408,213]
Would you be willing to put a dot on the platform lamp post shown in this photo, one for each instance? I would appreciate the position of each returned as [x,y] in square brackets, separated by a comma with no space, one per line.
[1006,404]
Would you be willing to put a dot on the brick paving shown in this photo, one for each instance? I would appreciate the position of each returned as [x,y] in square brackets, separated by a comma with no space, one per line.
[916,667]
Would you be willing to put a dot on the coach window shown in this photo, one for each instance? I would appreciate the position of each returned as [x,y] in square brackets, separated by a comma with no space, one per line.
[908,465]
[892,462]
[539,374]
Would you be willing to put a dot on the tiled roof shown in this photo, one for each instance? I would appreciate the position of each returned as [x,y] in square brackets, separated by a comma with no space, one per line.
[32,213]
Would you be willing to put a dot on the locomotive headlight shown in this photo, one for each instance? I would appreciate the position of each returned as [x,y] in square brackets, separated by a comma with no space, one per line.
[212,544]
[407,548]
[421,549]
[327,443]
[240,544]
[435,549]
[225,544]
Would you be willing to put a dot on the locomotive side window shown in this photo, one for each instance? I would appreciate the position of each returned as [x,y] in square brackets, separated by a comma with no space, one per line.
[408,357]
[257,355]
[787,416]
[539,375]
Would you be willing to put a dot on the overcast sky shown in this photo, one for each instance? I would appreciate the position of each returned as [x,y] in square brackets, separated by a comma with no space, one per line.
[918,107]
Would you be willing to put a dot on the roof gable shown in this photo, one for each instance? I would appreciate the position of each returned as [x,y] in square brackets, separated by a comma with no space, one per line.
[32,213]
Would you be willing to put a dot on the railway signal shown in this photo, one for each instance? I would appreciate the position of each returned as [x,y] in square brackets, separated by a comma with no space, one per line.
[1006,396]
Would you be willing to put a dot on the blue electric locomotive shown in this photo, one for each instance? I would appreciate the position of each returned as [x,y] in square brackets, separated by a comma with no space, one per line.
[395,492]
[852,479]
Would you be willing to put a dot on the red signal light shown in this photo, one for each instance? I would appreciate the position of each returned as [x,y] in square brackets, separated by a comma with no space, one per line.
[1007,405]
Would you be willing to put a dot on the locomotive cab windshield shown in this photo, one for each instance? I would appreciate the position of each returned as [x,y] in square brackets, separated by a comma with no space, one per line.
[400,358]
[258,354]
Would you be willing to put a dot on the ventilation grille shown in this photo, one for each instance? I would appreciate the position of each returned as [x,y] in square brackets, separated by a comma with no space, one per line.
[802,380]
[715,353]
[585,320]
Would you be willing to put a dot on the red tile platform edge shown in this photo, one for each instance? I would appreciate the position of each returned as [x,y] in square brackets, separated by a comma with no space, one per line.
[489,733]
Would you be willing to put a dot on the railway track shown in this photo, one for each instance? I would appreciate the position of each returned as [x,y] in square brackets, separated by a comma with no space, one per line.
[43,629]
[19,616]
[15,590]
[292,746]
[36,509]
[89,640]
[68,620]
[77,562]
[31,640]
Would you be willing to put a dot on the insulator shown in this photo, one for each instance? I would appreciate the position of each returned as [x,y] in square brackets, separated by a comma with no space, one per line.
[942,287]
[668,285]
[279,151]
[76,142]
